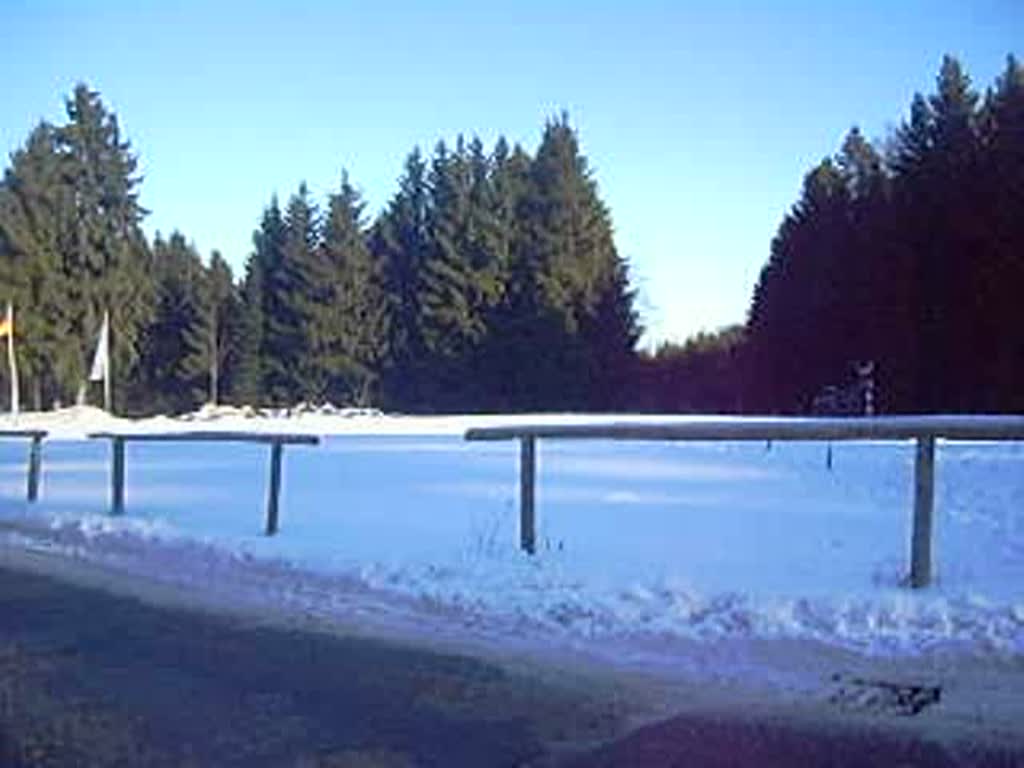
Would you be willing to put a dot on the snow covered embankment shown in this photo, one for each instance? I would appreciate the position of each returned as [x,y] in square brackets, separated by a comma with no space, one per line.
[641,545]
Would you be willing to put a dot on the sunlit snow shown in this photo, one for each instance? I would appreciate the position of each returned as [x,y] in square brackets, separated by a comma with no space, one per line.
[636,540]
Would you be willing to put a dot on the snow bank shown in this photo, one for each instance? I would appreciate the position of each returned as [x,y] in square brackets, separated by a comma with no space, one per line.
[641,545]
[536,598]
[78,421]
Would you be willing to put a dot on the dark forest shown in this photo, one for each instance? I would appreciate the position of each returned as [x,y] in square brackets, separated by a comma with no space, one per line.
[491,280]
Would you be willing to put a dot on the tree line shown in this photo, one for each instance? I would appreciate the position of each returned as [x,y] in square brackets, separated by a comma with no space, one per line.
[490,281]
[908,254]
[903,257]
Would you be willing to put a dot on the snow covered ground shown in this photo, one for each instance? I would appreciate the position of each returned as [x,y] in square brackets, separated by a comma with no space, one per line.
[644,548]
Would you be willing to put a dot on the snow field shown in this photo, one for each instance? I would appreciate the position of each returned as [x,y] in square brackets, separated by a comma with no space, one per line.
[637,541]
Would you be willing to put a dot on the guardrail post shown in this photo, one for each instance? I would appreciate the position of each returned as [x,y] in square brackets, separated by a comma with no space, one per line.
[117,476]
[34,462]
[527,472]
[924,498]
[274,487]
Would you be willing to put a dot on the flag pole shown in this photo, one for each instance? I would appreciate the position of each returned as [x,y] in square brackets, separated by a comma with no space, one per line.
[106,368]
[12,361]
[100,369]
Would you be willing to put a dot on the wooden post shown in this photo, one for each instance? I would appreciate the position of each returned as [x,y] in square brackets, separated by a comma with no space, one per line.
[924,495]
[828,458]
[34,462]
[274,487]
[527,471]
[117,476]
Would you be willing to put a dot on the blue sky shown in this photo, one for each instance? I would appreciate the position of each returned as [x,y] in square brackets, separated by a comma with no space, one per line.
[699,119]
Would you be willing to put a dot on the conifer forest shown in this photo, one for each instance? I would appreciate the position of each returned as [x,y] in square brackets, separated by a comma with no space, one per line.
[491,280]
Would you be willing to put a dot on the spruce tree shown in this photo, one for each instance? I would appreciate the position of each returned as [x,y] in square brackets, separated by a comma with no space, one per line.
[70,236]
[214,335]
[1000,283]
[277,329]
[569,263]
[489,238]
[504,380]
[401,244]
[33,201]
[248,377]
[300,374]
[353,334]
[612,330]
[795,318]
[912,262]
[451,313]
[703,375]
[105,253]
[168,378]
[934,157]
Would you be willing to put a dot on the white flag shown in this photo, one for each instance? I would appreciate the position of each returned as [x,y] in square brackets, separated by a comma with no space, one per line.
[101,360]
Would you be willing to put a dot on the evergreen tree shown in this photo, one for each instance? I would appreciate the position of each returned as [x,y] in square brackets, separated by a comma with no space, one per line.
[490,233]
[301,374]
[461,280]
[214,335]
[104,251]
[352,320]
[32,204]
[272,283]
[569,263]
[1001,281]
[168,377]
[71,241]
[796,315]
[996,270]
[875,295]
[504,379]
[445,276]
[489,241]
[912,262]
[401,243]
[703,375]
[935,157]
[248,385]
[612,331]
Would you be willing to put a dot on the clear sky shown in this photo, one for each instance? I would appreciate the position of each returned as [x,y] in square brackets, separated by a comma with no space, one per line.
[698,118]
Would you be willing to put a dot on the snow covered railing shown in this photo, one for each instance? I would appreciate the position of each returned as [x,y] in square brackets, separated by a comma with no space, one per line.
[35,455]
[924,429]
[277,441]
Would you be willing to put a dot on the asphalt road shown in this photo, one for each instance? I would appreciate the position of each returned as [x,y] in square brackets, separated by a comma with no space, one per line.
[712,742]
[92,679]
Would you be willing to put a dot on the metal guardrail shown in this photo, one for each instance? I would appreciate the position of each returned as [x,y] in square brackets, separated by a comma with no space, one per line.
[35,455]
[925,430]
[277,441]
